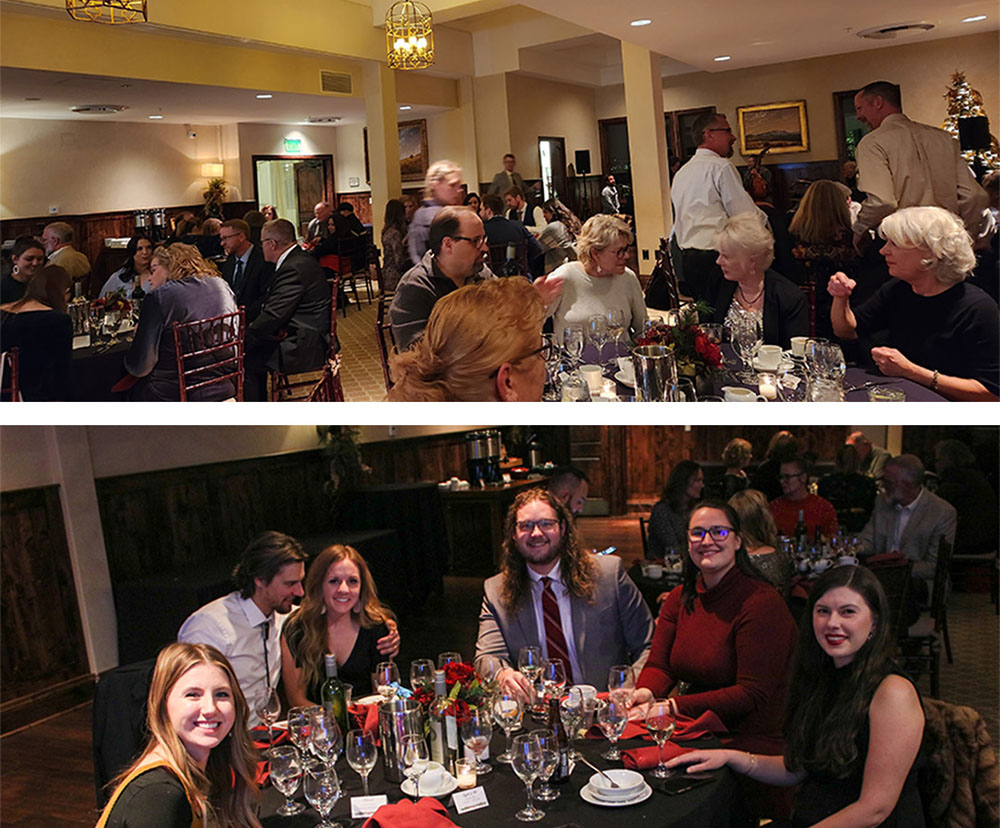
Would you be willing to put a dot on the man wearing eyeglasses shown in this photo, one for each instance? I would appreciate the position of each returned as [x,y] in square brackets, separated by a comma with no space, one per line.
[552,594]
[796,499]
[244,269]
[706,192]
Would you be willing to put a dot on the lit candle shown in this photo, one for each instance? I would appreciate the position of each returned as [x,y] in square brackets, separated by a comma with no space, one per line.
[466,772]
[767,386]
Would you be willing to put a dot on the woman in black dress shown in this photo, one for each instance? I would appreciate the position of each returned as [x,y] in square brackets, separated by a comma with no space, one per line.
[669,518]
[736,456]
[198,767]
[340,614]
[854,723]
[27,258]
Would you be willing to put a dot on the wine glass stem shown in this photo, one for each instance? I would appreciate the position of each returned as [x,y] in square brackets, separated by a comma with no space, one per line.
[364,782]
[270,737]
[661,762]
[531,805]
[507,733]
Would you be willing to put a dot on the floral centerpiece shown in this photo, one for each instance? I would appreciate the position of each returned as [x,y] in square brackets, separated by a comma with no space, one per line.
[111,303]
[466,690]
[695,353]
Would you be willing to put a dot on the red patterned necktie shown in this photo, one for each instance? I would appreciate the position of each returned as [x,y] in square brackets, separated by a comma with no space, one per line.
[554,638]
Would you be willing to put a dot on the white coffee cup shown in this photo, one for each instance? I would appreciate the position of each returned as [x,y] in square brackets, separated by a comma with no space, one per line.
[735,394]
[799,345]
[594,375]
[769,357]
[848,560]
[654,571]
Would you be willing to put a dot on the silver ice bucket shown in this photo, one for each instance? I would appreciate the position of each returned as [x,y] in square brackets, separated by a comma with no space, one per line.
[397,718]
[655,373]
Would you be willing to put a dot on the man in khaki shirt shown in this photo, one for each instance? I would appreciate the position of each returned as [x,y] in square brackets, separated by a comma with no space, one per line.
[58,240]
[902,163]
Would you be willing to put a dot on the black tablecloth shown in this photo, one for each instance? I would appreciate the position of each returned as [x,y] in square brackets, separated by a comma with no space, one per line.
[653,588]
[715,805]
[95,370]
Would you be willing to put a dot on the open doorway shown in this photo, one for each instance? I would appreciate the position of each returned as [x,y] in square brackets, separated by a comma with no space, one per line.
[293,185]
[552,162]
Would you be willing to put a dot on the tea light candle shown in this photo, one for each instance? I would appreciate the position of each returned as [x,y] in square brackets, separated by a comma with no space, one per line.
[466,774]
[767,386]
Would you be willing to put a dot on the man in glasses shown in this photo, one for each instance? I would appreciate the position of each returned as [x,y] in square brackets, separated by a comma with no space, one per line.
[244,269]
[796,500]
[553,595]
[706,192]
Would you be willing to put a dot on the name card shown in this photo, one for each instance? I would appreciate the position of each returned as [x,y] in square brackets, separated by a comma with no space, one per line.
[365,806]
[470,800]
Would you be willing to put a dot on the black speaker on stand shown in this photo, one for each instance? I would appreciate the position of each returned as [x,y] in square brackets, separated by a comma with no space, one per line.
[583,162]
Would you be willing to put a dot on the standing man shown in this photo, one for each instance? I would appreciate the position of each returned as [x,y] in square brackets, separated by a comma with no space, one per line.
[902,163]
[551,593]
[319,225]
[610,202]
[871,458]
[817,512]
[507,178]
[519,210]
[58,240]
[570,487]
[244,269]
[292,332]
[706,192]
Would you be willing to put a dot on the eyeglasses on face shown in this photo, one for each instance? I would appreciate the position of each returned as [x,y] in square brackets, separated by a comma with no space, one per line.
[621,252]
[546,525]
[477,241]
[230,236]
[720,129]
[717,533]
[546,352]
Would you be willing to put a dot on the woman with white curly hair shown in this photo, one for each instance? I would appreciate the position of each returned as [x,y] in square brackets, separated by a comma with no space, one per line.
[934,327]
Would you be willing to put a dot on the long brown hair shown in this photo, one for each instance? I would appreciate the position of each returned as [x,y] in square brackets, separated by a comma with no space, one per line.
[226,785]
[311,617]
[822,216]
[576,567]
[47,287]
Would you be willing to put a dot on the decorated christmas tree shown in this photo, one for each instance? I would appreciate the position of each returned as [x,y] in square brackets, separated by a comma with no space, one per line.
[966,102]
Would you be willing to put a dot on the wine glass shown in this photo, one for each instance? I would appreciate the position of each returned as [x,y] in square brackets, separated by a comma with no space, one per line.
[298,726]
[550,761]
[362,754]
[597,333]
[322,789]
[612,716]
[616,328]
[448,658]
[573,340]
[747,337]
[416,759]
[286,771]
[476,732]
[621,682]
[386,679]
[571,713]
[553,678]
[529,662]
[268,711]
[421,673]
[660,721]
[508,710]
[527,764]
[324,735]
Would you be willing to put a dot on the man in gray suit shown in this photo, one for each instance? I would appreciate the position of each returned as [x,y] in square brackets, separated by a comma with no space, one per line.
[553,594]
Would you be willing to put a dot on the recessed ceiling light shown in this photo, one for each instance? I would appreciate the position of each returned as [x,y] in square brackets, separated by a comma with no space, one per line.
[975,19]
[721,58]
[156,117]
[404,108]
[32,99]
[642,21]
[264,97]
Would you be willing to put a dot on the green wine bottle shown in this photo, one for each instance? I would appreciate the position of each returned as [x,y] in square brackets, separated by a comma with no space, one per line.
[333,695]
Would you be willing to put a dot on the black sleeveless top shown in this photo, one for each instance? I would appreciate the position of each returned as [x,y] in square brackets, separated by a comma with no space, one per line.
[821,795]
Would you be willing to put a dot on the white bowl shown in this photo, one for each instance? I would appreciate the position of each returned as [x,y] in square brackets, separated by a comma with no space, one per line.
[629,782]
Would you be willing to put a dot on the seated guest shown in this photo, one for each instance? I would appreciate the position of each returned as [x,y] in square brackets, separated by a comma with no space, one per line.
[518,209]
[669,519]
[340,614]
[935,328]
[965,487]
[796,499]
[135,271]
[782,446]
[556,237]
[750,289]
[200,762]
[855,722]
[473,201]
[269,212]
[319,226]
[736,456]
[760,537]
[506,232]
[442,186]
[871,458]
[28,257]
[244,269]
[346,224]
[208,243]
[851,493]
[255,219]
[38,325]
[570,487]
[483,343]
[58,240]
[598,617]
[395,261]
[184,288]
[599,282]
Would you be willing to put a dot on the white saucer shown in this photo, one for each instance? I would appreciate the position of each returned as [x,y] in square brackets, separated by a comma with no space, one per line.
[625,379]
[784,364]
[449,787]
[588,795]
[374,698]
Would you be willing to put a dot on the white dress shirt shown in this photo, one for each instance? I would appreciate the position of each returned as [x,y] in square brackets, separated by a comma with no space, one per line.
[565,613]
[231,624]
[903,515]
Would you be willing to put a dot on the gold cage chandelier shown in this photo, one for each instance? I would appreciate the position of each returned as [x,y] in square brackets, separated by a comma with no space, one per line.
[409,38]
[108,11]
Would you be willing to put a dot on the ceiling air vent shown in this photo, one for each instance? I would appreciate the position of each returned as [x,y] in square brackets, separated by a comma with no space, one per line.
[322,119]
[99,109]
[336,82]
[894,30]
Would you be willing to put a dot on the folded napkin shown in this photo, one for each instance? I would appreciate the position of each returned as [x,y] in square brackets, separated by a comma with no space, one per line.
[686,730]
[364,717]
[424,813]
[260,741]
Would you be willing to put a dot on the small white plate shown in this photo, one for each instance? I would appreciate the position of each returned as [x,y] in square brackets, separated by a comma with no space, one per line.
[449,786]
[588,795]
[784,364]
[625,379]
[374,698]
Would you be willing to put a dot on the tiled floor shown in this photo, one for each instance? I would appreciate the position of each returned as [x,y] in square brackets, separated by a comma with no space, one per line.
[360,367]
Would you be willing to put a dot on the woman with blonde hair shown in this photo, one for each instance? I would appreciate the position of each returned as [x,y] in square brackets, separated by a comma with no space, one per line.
[736,456]
[184,287]
[936,329]
[599,281]
[198,766]
[442,186]
[340,614]
[483,342]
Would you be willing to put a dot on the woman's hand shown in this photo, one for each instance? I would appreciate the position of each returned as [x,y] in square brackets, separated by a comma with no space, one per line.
[700,760]
[548,289]
[840,284]
[388,645]
[892,363]
[639,704]
[513,681]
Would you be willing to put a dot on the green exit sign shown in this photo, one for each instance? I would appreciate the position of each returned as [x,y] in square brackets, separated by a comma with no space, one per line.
[293,145]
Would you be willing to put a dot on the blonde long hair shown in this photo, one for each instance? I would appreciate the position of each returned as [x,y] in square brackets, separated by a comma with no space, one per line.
[822,216]
[182,260]
[226,786]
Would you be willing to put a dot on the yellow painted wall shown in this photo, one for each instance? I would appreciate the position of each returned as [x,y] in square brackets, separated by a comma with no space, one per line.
[493,138]
[923,70]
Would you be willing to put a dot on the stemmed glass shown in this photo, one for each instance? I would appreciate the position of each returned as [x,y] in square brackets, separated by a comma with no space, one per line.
[660,721]
[386,679]
[616,328]
[747,337]
[416,759]
[421,673]
[527,764]
[553,678]
[572,340]
[286,771]
[322,789]
[477,730]
[448,658]
[529,663]
[324,735]
[508,710]
[612,716]
[298,726]
[571,713]
[362,754]
[268,713]
[550,761]
[621,682]
[553,365]
[597,332]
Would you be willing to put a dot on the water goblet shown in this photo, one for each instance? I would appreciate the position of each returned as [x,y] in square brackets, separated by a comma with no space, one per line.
[325,737]
[268,712]
[322,789]
[362,754]
[421,673]
[298,726]
[477,731]
[621,682]
[529,663]
[416,759]
[508,710]
[386,679]
[747,338]
[285,773]
[612,716]
[572,342]
[571,711]
[448,658]
[527,764]
[553,678]
[550,761]
[660,721]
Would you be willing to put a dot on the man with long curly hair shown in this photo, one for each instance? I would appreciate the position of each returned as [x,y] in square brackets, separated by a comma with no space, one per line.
[553,594]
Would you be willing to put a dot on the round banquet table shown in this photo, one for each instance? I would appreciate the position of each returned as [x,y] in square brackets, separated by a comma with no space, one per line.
[96,369]
[717,804]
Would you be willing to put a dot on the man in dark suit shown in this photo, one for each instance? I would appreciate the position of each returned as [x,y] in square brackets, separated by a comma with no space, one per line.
[244,269]
[292,332]
[507,177]
[500,230]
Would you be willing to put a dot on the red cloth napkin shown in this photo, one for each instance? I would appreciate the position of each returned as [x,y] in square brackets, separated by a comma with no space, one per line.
[260,741]
[425,813]
[365,717]
[686,730]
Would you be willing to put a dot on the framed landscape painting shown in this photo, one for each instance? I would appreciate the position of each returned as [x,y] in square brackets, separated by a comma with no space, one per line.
[780,127]
[412,150]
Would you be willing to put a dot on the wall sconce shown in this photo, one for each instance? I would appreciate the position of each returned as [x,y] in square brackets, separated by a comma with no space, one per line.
[108,11]
[212,170]
[409,38]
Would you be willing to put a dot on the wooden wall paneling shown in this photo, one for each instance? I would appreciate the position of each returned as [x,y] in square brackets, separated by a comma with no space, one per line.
[362,203]
[613,449]
[585,447]
[415,460]
[821,441]
[43,644]
[652,452]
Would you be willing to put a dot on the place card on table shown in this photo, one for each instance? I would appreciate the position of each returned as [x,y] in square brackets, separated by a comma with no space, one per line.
[81,341]
[470,800]
[365,806]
